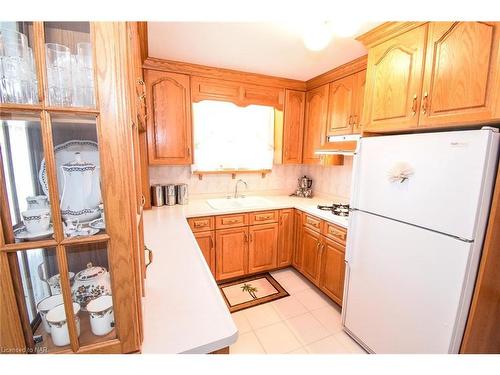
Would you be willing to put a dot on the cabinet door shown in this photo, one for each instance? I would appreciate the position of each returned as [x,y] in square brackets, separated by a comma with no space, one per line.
[231,253]
[314,128]
[311,242]
[359,93]
[461,66]
[293,127]
[169,120]
[297,240]
[263,247]
[206,242]
[393,81]
[341,106]
[332,270]
[285,238]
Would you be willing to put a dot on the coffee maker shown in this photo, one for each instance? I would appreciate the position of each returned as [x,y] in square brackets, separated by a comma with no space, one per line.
[305,188]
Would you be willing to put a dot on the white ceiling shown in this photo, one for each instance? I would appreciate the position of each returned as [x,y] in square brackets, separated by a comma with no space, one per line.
[258,47]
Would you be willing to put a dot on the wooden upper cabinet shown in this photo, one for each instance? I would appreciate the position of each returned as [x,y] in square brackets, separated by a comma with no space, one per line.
[359,90]
[262,247]
[231,253]
[293,126]
[332,270]
[169,119]
[239,93]
[393,81]
[285,237]
[460,72]
[341,105]
[315,123]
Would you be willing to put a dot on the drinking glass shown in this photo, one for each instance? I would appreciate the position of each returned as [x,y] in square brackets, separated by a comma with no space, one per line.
[84,85]
[58,59]
[15,79]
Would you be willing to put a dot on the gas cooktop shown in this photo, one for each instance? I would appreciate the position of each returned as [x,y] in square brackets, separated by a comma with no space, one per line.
[336,208]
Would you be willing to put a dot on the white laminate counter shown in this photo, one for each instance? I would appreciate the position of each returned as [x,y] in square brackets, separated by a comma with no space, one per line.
[184,311]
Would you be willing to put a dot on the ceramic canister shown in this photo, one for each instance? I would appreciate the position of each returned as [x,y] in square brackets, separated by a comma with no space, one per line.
[56,318]
[47,304]
[102,318]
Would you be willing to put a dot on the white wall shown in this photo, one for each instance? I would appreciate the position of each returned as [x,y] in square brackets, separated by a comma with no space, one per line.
[329,182]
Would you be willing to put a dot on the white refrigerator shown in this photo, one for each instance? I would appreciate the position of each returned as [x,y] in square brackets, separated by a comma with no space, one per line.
[420,205]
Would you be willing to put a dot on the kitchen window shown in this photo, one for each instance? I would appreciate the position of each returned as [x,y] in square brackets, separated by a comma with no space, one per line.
[231,138]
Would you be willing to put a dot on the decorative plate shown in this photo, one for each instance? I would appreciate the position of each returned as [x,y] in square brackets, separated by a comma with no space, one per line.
[97,224]
[23,234]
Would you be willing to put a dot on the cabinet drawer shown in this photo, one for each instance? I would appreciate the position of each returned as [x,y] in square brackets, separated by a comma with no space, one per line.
[263,217]
[335,232]
[201,224]
[231,221]
[312,222]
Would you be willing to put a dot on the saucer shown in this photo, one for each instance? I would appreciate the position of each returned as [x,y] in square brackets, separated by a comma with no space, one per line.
[83,232]
[23,234]
[97,224]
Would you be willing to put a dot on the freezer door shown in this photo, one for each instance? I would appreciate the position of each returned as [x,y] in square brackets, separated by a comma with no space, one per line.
[434,180]
[406,287]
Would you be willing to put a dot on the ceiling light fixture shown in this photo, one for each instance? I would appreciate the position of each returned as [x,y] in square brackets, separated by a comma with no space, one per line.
[317,35]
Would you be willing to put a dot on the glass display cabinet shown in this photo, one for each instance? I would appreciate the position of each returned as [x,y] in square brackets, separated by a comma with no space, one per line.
[71,255]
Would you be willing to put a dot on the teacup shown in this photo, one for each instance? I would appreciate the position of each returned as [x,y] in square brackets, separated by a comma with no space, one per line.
[56,319]
[36,220]
[47,304]
[37,201]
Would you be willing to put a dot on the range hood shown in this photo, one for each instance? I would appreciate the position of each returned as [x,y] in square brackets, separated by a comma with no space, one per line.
[339,145]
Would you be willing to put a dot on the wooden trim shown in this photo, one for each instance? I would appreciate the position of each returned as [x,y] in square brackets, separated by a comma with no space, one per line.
[107,347]
[341,71]
[39,54]
[386,31]
[142,30]
[113,124]
[28,245]
[62,262]
[154,63]
[102,237]
[233,172]
[482,334]
[11,332]
[221,351]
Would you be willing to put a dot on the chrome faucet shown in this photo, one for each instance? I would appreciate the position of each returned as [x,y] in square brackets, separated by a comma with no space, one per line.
[236,188]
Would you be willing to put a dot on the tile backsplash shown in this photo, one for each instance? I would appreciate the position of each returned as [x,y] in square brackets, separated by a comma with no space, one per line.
[332,181]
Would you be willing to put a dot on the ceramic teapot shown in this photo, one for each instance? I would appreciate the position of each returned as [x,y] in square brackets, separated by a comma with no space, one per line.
[90,283]
[81,192]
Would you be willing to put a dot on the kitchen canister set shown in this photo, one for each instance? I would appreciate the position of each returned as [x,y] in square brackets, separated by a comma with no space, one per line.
[169,194]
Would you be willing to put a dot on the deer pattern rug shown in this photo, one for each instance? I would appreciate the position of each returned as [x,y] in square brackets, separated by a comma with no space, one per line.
[251,291]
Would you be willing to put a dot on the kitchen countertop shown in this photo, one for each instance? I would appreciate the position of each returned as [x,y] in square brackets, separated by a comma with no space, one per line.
[184,311]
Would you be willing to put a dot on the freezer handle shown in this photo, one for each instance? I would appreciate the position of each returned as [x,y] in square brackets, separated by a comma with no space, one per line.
[346,292]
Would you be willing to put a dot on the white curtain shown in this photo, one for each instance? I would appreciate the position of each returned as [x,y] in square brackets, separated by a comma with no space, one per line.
[230,137]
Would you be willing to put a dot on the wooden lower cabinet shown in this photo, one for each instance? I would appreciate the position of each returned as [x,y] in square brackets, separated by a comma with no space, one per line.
[262,247]
[231,253]
[206,241]
[285,237]
[297,239]
[310,245]
[331,280]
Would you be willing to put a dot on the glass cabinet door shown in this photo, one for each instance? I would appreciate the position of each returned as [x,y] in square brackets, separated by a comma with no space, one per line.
[18,77]
[78,170]
[69,61]
[22,154]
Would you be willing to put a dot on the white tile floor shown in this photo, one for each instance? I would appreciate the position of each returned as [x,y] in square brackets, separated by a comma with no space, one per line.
[306,322]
